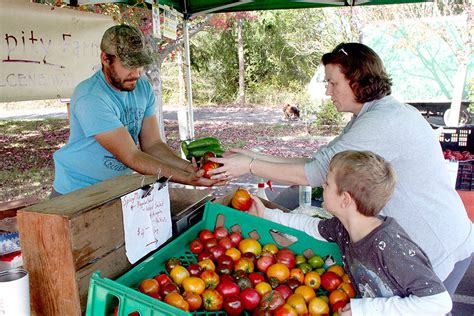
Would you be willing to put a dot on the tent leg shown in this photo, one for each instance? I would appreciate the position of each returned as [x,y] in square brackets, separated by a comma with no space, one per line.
[189,88]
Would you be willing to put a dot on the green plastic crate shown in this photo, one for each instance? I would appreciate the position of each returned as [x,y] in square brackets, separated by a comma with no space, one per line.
[105,294]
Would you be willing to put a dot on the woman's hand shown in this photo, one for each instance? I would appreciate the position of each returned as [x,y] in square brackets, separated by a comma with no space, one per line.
[257,208]
[233,166]
[346,310]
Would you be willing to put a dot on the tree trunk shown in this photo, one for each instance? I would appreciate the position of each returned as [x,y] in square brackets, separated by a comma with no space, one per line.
[154,75]
[240,41]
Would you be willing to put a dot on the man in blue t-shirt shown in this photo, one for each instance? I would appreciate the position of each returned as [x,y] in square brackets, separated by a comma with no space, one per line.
[113,124]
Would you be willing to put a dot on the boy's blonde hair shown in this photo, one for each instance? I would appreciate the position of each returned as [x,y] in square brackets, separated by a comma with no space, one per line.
[367,177]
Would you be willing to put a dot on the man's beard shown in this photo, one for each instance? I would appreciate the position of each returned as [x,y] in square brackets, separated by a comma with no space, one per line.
[119,83]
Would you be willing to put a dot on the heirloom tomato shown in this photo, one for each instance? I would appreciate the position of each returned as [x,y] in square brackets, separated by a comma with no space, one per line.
[263,287]
[298,303]
[212,300]
[279,271]
[178,274]
[241,200]
[209,166]
[285,310]
[306,291]
[194,300]
[233,305]
[272,300]
[176,300]
[338,298]
[162,279]
[210,278]
[317,306]
[348,289]
[250,245]
[312,279]
[251,298]
[194,285]
[330,281]
[149,286]
[221,232]
[337,269]
[196,246]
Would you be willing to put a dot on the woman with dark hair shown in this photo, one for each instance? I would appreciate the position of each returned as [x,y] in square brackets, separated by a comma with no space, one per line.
[424,203]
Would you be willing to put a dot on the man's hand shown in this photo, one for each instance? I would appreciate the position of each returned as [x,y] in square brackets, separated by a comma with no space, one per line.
[257,208]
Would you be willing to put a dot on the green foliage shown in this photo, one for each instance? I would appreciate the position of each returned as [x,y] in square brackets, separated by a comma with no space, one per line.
[328,119]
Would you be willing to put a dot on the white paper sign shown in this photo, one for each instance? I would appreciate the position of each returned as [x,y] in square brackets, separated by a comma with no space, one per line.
[146,220]
[155,13]
[170,23]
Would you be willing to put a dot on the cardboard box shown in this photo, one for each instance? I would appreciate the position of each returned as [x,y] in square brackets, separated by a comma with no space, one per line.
[65,239]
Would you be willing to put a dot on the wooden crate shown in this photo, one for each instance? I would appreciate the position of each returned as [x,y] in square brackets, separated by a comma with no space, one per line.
[65,239]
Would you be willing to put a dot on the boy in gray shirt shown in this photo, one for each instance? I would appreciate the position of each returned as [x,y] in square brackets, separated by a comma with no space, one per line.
[391,273]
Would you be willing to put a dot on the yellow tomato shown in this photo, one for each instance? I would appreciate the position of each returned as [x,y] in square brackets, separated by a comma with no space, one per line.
[194,285]
[271,248]
[298,303]
[250,245]
[307,292]
[262,288]
[234,253]
[279,271]
[318,306]
[312,279]
[178,274]
[337,269]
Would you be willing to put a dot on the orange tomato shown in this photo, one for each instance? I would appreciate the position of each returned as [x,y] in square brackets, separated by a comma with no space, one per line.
[298,303]
[234,253]
[194,300]
[176,300]
[298,274]
[337,269]
[312,279]
[346,278]
[306,291]
[338,297]
[178,274]
[241,200]
[285,310]
[348,289]
[263,287]
[271,248]
[148,286]
[318,306]
[279,271]
[194,285]
[250,245]
[207,264]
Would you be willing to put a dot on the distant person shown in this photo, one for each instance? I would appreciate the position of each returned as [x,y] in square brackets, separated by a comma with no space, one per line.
[425,204]
[114,128]
[391,274]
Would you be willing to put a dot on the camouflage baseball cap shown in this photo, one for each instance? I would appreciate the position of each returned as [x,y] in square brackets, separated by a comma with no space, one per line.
[128,44]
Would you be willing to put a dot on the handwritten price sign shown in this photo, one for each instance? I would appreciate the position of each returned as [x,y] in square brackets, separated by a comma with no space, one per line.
[146,220]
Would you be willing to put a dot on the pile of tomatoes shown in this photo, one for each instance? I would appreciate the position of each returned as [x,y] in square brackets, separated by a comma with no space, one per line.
[457,155]
[237,274]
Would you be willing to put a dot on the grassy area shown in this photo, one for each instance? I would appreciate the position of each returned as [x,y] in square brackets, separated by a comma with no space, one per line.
[27,148]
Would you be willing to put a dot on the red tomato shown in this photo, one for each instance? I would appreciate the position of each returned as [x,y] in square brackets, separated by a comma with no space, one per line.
[233,305]
[221,232]
[241,200]
[196,246]
[287,257]
[209,166]
[272,300]
[205,234]
[162,279]
[251,298]
[228,288]
[212,300]
[330,281]
[206,156]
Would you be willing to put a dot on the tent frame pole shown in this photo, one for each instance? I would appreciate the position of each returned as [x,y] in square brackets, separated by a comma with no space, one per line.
[189,87]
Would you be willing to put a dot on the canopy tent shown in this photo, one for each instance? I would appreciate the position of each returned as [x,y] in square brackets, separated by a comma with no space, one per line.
[191,8]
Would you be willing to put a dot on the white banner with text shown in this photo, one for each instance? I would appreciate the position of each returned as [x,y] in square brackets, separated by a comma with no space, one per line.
[46,51]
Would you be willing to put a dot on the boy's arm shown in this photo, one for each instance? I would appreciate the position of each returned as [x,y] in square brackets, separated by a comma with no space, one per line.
[302,222]
[438,304]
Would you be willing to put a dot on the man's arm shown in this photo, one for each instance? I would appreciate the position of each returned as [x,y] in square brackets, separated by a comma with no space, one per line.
[119,142]
[151,143]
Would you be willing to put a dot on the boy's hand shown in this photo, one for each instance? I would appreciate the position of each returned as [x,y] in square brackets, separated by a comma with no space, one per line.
[346,310]
[257,208]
